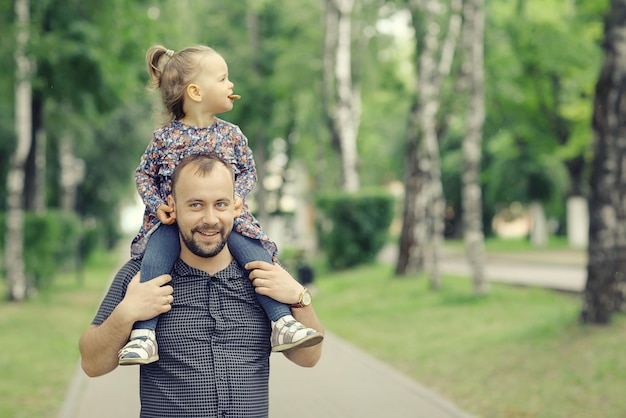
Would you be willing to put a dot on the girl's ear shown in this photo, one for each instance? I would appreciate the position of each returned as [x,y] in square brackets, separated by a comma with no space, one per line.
[170,203]
[193,92]
[238,206]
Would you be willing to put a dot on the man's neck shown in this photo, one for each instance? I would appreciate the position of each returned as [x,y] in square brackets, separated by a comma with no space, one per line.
[210,265]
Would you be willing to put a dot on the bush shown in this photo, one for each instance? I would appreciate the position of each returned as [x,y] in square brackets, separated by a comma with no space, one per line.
[51,243]
[354,227]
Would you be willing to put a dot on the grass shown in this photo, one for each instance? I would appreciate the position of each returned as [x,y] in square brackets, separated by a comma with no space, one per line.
[518,352]
[39,350]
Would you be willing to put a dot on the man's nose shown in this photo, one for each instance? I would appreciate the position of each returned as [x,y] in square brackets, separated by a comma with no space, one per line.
[209,216]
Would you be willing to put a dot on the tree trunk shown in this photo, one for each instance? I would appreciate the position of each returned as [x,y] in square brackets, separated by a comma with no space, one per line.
[413,234]
[35,168]
[14,239]
[259,133]
[423,213]
[606,267]
[343,105]
[472,143]
[72,173]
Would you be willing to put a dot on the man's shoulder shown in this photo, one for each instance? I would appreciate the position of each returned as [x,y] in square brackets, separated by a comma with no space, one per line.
[129,269]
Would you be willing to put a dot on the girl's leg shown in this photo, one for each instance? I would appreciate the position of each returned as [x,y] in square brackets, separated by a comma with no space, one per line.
[161,253]
[245,250]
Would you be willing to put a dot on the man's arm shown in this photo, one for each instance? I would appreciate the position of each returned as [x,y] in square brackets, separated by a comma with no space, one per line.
[99,344]
[308,356]
[274,281]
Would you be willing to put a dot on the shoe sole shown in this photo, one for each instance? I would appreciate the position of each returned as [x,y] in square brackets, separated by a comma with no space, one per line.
[137,361]
[309,341]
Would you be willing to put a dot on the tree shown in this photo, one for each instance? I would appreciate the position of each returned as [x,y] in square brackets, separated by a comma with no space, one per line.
[606,269]
[423,212]
[14,245]
[341,95]
[472,195]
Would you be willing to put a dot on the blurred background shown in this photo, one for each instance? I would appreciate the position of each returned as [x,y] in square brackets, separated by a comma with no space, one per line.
[394,132]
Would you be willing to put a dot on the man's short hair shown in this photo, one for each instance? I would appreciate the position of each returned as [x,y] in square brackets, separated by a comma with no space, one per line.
[204,163]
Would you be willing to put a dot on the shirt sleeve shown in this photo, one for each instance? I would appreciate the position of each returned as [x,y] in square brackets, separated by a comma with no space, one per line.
[246,176]
[116,291]
[146,176]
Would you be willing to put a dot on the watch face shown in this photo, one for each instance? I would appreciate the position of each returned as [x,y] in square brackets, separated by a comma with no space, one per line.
[306,298]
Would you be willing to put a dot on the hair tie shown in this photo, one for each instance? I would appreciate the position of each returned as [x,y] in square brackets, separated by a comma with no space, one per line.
[169,53]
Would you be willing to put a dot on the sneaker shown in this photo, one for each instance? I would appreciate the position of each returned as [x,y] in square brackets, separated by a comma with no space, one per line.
[140,349]
[289,334]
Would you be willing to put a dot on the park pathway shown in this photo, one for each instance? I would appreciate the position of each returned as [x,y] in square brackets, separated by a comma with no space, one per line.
[346,383]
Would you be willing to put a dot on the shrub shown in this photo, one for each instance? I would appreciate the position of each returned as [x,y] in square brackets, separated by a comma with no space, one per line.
[51,243]
[354,227]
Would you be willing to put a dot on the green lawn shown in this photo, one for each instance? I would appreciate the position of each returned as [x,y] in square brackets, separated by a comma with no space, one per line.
[39,340]
[517,352]
[514,353]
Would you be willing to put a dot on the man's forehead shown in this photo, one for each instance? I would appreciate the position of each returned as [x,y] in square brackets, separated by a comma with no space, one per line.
[192,180]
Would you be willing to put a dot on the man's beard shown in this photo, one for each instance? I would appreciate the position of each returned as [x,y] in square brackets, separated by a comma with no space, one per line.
[201,250]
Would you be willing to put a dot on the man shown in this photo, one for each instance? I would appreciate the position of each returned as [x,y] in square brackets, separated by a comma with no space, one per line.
[213,335]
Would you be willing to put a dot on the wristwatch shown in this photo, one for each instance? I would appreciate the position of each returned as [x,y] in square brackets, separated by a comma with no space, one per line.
[305,299]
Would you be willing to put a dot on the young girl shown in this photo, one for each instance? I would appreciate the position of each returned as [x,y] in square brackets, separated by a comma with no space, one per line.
[194,87]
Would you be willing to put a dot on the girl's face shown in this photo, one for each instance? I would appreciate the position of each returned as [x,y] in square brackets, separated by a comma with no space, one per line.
[214,85]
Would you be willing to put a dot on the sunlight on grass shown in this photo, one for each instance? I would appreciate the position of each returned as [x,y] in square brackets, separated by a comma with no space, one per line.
[518,352]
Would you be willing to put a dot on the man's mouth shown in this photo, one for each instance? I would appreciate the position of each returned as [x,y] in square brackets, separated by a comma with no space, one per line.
[208,234]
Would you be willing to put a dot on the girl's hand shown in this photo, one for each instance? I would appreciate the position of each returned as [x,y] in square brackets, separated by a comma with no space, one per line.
[164,214]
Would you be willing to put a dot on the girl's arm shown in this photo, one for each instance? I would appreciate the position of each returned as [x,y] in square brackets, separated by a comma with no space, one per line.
[146,177]
[246,177]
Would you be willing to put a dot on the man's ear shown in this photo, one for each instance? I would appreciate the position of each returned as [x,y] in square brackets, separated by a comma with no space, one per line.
[170,203]
[238,206]
[194,92]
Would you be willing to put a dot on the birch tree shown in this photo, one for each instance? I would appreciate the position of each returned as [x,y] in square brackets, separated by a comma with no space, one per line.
[14,239]
[473,39]
[423,212]
[341,96]
[606,269]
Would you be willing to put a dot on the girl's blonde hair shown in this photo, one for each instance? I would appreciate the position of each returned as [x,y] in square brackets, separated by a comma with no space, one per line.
[171,72]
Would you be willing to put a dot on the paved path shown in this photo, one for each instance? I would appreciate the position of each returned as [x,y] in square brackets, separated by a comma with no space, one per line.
[558,270]
[346,383]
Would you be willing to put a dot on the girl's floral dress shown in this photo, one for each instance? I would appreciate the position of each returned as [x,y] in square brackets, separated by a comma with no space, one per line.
[169,145]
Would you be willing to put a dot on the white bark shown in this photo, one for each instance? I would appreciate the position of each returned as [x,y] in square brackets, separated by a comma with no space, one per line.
[424,200]
[345,113]
[14,240]
[428,91]
[472,144]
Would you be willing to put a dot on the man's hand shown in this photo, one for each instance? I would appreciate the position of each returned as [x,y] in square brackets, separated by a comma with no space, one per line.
[274,281]
[99,344]
[146,300]
[164,214]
